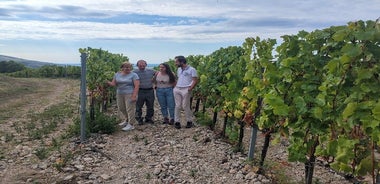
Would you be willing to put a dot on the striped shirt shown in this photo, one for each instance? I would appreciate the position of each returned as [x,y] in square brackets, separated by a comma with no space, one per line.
[146,77]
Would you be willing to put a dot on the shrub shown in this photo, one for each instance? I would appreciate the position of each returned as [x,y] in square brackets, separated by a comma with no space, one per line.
[103,123]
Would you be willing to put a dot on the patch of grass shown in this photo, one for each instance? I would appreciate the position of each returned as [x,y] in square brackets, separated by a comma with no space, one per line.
[203,119]
[60,163]
[195,137]
[148,176]
[2,154]
[41,153]
[193,172]
[103,123]
[9,137]
[232,132]
[277,173]
[42,124]
[136,138]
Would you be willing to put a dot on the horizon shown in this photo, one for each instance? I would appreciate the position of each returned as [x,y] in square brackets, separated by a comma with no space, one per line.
[157,30]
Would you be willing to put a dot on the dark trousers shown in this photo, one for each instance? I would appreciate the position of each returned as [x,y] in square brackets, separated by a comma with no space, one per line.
[145,97]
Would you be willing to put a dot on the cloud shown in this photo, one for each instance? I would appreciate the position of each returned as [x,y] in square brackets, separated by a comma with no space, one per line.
[198,22]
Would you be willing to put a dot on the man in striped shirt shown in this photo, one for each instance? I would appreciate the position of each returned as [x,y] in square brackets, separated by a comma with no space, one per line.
[146,92]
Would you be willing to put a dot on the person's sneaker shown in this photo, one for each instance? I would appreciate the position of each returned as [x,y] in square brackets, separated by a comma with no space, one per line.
[166,121]
[177,125]
[171,122]
[189,124]
[123,124]
[128,127]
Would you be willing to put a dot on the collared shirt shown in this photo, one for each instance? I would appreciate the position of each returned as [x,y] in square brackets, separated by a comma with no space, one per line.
[146,77]
[185,77]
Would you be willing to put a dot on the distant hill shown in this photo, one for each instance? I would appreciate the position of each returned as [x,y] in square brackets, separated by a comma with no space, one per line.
[26,62]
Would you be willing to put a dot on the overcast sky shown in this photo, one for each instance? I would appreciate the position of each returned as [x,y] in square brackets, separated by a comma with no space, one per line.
[158,30]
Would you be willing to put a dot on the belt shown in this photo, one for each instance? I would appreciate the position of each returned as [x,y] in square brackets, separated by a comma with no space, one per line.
[145,88]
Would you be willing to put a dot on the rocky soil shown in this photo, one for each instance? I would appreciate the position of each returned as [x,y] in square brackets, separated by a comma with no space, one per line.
[151,153]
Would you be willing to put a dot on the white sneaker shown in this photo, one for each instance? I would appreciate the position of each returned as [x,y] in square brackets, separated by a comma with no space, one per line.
[128,127]
[123,124]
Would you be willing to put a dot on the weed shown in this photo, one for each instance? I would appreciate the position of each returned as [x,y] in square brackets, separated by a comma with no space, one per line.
[203,119]
[193,172]
[41,153]
[102,123]
[9,137]
[2,154]
[136,137]
[232,132]
[195,137]
[148,176]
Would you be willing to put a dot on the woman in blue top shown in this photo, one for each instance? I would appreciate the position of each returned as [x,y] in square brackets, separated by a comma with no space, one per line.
[127,86]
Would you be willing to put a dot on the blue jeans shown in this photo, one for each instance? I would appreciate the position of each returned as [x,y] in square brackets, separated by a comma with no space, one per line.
[165,98]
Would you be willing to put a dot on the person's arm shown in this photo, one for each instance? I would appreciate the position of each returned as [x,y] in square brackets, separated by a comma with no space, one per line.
[193,83]
[154,80]
[136,84]
[175,79]
[112,83]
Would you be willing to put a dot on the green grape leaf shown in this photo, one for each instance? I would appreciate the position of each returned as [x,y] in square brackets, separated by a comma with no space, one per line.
[349,110]
[318,112]
[364,167]
[376,111]
[352,50]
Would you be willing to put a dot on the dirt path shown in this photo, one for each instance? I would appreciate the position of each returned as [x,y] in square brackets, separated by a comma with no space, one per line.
[21,101]
[149,154]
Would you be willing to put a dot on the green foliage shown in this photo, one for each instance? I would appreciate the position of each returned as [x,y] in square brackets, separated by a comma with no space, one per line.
[49,71]
[321,90]
[10,66]
[103,123]
[101,66]
[41,153]
[232,132]
[203,119]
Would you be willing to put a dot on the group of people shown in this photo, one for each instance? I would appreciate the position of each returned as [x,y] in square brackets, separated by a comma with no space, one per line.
[135,88]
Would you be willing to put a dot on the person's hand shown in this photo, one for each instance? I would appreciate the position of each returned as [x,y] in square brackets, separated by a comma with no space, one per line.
[133,98]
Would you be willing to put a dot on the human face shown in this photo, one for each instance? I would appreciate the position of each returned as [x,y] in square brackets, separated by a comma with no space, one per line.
[177,63]
[162,68]
[141,65]
[126,69]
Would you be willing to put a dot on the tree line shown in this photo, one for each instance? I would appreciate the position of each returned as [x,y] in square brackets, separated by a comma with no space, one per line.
[14,69]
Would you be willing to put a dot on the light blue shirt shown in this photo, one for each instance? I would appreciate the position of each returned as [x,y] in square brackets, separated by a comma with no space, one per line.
[124,83]
[185,77]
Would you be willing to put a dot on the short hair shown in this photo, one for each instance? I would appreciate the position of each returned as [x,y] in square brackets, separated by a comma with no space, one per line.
[141,61]
[126,63]
[181,59]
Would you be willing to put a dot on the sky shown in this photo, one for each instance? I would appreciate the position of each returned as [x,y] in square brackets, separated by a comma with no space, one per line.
[158,30]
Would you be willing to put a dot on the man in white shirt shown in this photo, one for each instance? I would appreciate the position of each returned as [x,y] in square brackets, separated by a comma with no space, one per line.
[187,79]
